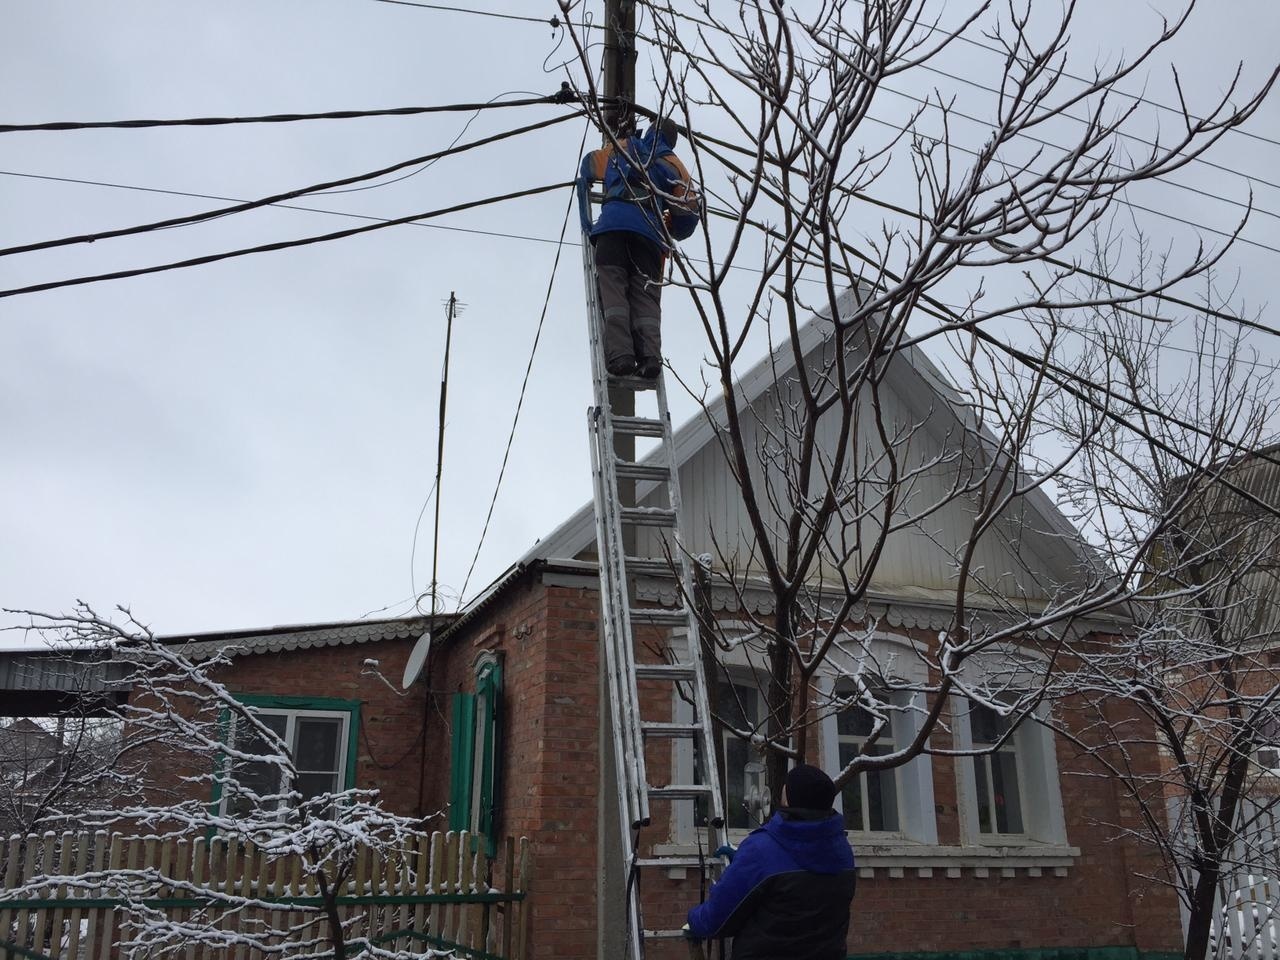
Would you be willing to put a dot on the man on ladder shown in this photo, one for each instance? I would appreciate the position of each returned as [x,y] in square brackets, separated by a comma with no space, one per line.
[648,201]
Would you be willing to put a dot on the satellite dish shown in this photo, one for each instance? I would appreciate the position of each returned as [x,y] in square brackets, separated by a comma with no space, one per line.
[417,660]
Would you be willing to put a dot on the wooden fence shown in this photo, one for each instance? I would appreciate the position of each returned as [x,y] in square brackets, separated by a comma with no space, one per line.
[87,896]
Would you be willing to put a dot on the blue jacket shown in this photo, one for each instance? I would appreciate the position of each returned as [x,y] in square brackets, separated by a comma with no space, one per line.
[630,203]
[786,894]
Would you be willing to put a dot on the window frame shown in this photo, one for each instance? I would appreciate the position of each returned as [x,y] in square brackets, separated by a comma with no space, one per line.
[1039,783]
[913,780]
[293,707]
[888,737]
[1013,744]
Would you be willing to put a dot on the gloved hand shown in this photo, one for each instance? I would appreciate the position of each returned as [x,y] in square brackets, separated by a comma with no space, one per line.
[726,850]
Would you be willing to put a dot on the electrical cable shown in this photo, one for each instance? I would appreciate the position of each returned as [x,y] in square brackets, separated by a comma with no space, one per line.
[553,21]
[705,139]
[413,547]
[1037,140]
[533,352]
[277,198]
[1002,54]
[279,206]
[1117,199]
[272,118]
[281,245]
[427,164]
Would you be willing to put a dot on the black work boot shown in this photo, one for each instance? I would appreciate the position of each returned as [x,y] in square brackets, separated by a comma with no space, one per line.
[621,366]
[650,367]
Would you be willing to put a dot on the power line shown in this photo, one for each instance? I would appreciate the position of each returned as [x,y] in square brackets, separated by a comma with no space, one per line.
[965,38]
[951,111]
[553,21]
[1046,258]
[277,198]
[1119,133]
[533,352]
[279,206]
[278,117]
[281,245]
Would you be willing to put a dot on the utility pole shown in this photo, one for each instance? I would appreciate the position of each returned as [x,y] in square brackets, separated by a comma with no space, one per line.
[611,873]
[451,310]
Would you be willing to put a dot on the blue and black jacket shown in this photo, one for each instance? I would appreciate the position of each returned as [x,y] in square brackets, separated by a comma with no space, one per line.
[786,893]
[647,190]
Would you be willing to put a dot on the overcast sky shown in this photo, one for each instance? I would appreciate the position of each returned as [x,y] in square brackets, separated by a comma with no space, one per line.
[250,443]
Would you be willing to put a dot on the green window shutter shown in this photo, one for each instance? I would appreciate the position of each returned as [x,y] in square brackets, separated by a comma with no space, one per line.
[460,761]
[489,684]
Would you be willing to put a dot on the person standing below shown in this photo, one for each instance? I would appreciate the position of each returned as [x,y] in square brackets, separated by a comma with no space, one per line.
[787,892]
[648,201]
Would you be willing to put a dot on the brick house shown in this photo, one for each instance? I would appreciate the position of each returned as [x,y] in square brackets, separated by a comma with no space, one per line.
[502,734]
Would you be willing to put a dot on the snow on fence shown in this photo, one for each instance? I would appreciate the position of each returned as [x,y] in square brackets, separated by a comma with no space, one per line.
[1246,916]
[106,895]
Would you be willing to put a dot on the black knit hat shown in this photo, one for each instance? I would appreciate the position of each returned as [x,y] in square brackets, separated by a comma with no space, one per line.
[808,788]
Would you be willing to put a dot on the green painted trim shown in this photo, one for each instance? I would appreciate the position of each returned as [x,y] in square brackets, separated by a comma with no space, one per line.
[460,762]
[9,948]
[1030,953]
[180,903]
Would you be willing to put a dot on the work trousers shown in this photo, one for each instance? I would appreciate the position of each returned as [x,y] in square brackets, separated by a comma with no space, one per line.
[629,270]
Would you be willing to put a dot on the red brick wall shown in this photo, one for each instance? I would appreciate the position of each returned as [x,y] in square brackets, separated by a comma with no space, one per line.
[550,795]
[547,637]
[390,720]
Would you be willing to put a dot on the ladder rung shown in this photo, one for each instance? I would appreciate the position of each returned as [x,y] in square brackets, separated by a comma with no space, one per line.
[638,426]
[663,934]
[655,729]
[648,516]
[636,384]
[685,861]
[641,471]
[660,616]
[650,567]
[664,671]
[681,791]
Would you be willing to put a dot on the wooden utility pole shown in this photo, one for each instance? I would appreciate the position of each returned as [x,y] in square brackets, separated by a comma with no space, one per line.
[611,873]
[619,61]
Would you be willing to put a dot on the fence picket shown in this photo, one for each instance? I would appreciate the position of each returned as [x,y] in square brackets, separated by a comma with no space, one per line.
[439,850]
[61,867]
[12,854]
[526,911]
[77,870]
[509,914]
[215,889]
[421,879]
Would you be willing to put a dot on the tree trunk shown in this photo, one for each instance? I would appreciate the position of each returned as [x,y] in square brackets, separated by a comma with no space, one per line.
[778,698]
[1201,914]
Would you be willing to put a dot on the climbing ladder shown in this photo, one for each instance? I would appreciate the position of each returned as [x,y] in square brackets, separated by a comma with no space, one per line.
[640,721]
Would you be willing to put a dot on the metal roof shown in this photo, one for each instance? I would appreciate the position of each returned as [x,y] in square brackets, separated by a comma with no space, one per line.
[297,637]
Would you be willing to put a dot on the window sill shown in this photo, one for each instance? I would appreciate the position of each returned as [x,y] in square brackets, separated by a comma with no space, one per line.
[903,858]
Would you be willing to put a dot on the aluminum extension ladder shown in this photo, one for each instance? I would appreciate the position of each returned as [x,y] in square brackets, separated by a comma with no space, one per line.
[637,722]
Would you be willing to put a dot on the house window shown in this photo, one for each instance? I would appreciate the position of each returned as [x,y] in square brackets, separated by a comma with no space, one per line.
[869,800]
[474,768]
[996,772]
[320,744]
[741,706]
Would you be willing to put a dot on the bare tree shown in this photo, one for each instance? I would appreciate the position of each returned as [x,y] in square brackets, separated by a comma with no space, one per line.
[835,477]
[186,738]
[1195,680]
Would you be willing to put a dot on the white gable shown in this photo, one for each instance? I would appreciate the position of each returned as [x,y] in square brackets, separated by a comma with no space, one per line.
[1024,558]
